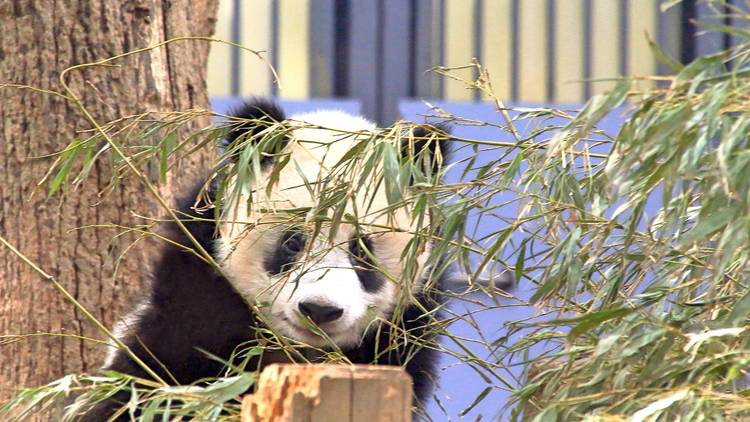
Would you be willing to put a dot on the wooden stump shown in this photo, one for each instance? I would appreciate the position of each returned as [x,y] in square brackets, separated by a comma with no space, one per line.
[323,393]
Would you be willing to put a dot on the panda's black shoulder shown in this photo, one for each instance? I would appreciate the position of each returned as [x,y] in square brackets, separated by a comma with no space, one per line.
[196,211]
[191,306]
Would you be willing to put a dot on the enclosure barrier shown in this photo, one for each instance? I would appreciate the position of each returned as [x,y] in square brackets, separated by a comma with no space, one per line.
[324,393]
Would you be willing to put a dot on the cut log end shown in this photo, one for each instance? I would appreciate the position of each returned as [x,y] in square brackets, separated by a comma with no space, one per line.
[341,393]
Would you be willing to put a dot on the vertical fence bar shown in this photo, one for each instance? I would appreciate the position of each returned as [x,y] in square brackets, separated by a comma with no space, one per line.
[274,53]
[605,33]
[550,50]
[588,48]
[397,52]
[477,40]
[294,48]
[379,59]
[235,52]
[707,42]
[427,48]
[687,48]
[643,21]
[255,77]
[219,59]
[515,54]
[670,35]
[569,54]
[624,38]
[497,45]
[412,31]
[341,48]
[737,8]
[440,37]
[322,43]
[459,48]
[363,66]
[533,51]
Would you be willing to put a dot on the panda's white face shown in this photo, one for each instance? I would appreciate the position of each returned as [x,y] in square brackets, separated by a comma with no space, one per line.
[303,285]
[324,285]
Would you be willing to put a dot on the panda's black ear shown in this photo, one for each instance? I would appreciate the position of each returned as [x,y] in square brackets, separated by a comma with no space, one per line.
[251,118]
[428,144]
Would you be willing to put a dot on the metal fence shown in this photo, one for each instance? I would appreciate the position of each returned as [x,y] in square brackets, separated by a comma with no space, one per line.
[377,51]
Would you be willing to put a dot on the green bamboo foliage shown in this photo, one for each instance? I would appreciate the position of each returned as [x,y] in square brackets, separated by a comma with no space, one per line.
[644,275]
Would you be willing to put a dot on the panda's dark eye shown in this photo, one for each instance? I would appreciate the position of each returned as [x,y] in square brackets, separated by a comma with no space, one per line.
[291,244]
[359,248]
[361,252]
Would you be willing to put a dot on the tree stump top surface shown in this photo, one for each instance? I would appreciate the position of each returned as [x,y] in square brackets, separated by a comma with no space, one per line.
[341,393]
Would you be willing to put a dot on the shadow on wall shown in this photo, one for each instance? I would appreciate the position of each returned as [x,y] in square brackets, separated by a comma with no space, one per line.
[459,384]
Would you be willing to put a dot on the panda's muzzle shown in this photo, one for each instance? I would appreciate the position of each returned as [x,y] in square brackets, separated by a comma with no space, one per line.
[320,314]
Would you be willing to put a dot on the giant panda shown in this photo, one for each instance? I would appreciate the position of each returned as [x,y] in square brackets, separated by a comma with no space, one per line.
[283,276]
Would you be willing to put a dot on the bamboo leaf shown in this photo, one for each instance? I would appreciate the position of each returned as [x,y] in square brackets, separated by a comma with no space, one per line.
[478,399]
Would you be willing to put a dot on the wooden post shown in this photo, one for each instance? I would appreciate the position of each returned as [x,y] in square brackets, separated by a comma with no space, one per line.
[323,393]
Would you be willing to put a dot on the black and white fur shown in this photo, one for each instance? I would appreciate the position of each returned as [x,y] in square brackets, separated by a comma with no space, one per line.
[192,310]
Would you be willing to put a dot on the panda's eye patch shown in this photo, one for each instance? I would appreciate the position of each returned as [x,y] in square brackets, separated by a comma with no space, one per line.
[359,248]
[360,254]
[291,244]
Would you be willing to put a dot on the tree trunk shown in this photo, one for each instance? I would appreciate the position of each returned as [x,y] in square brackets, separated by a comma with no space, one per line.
[38,40]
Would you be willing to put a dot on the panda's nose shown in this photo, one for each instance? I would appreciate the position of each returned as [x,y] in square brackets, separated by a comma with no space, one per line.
[320,314]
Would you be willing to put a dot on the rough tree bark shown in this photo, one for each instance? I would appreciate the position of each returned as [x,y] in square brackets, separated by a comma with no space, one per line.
[38,39]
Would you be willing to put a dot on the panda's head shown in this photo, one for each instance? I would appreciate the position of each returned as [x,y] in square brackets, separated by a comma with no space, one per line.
[312,282]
